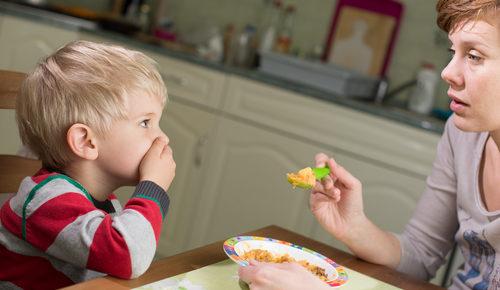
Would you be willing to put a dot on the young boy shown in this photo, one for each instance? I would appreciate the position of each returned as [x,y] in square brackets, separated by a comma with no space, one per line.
[91,113]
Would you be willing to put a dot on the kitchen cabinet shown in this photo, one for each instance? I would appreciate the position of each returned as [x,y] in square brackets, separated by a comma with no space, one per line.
[364,136]
[22,44]
[25,42]
[245,185]
[190,131]
[391,159]
[267,132]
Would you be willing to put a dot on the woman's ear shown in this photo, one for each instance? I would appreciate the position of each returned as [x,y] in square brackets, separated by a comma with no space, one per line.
[82,141]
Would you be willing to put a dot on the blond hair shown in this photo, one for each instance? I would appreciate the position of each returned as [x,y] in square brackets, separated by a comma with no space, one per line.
[452,13]
[82,82]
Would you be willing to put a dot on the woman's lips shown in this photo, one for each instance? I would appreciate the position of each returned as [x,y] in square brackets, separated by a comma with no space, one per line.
[457,106]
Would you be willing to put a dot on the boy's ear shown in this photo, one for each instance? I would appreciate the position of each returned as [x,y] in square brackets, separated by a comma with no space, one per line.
[82,141]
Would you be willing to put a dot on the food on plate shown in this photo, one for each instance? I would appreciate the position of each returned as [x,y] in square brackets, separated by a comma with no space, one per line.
[305,178]
[266,256]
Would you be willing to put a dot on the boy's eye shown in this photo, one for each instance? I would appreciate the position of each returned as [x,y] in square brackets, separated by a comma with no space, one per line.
[145,123]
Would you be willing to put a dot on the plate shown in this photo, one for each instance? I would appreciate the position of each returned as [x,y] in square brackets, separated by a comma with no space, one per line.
[235,247]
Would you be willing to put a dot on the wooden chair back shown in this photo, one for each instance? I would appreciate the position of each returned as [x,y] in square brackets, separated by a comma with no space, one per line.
[13,168]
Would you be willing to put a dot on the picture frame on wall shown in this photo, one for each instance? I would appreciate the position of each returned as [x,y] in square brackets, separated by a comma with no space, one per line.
[362,35]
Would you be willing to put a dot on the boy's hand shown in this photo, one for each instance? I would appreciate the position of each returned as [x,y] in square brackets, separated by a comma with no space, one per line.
[158,164]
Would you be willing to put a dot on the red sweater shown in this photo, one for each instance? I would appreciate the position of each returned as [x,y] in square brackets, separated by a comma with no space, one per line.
[54,234]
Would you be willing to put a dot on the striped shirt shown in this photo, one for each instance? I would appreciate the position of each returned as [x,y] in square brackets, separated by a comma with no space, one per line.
[54,234]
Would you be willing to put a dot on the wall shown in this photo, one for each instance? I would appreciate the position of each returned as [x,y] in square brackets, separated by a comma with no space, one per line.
[419,39]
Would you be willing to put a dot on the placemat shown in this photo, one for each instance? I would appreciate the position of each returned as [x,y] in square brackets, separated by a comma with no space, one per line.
[224,275]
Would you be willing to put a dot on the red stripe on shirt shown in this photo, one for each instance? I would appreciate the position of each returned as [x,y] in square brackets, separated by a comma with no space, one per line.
[109,251]
[30,272]
[43,225]
[41,175]
[150,210]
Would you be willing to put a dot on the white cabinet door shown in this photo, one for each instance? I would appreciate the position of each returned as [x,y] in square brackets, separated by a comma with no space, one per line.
[373,138]
[245,185]
[23,43]
[190,132]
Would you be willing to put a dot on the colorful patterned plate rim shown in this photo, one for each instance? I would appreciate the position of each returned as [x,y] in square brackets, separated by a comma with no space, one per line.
[233,245]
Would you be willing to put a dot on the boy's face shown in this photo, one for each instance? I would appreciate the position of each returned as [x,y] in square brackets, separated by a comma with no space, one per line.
[473,76]
[122,150]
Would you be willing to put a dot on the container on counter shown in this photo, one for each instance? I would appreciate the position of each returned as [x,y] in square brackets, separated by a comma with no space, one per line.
[244,46]
[284,37]
[421,98]
[270,25]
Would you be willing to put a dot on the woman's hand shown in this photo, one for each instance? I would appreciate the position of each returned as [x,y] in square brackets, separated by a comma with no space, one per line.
[271,276]
[337,201]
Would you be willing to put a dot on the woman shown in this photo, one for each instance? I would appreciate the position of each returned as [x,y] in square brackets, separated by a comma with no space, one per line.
[461,202]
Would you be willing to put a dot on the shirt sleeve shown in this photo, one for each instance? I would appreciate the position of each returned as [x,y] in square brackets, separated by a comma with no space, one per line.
[72,229]
[429,235]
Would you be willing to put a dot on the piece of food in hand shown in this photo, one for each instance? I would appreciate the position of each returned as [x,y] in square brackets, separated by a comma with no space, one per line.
[306,178]
[268,257]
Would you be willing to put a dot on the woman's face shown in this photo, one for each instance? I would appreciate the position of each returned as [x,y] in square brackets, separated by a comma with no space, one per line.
[473,75]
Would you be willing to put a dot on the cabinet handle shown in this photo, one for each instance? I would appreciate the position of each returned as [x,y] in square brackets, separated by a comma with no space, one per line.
[180,81]
[198,151]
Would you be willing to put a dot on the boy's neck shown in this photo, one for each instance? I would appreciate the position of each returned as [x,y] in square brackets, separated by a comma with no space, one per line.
[97,185]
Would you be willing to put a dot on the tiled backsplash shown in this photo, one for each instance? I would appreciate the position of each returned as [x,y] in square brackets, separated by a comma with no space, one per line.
[419,38]
[416,41]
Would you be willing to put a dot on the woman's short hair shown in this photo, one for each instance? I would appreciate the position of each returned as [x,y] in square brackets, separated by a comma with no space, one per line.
[82,82]
[453,13]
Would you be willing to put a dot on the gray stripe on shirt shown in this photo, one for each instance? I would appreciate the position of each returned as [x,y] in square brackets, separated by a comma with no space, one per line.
[139,236]
[52,189]
[72,244]
[4,285]
[17,201]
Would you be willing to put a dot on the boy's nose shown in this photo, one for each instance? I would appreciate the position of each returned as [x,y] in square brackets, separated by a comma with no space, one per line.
[164,136]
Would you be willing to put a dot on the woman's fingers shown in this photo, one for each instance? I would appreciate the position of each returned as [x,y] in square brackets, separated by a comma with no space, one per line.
[338,179]
[345,177]
[248,273]
[321,159]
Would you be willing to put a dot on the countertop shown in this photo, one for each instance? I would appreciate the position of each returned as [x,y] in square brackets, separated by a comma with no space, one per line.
[32,12]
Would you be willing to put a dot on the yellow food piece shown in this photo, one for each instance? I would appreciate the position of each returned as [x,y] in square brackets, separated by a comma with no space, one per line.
[268,257]
[304,178]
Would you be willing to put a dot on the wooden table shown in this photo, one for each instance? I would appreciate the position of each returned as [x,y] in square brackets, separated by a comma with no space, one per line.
[213,253]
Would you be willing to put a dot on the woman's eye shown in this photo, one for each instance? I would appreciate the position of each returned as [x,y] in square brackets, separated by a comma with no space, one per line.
[145,123]
[473,57]
[452,51]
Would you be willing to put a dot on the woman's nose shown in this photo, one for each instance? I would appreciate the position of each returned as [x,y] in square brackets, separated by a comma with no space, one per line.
[452,74]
